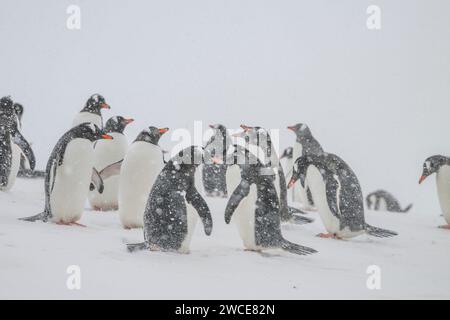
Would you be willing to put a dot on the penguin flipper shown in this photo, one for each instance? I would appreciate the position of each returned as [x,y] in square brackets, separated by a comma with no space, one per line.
[301,220]
[111,170]
[96,181]
[6,159]
[40,216]
[23,144]
[28,173]
[378,232]
[293,210]
[241,191]
[332,186]
[296,248]
[194,198]
[133,247]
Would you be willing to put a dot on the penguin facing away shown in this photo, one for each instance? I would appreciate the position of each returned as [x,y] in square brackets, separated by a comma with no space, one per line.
[140,167]
[441,166]
[106,153]
[12,145]
[305,144]
[92,111]
[337,194]
[173,204]
[69,172]
[214,175]
[382,200]
[256,207]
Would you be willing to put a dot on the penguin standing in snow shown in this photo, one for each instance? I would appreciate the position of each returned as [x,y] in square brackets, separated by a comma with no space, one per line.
[381,200]
[92,111]
[305,144]
[441,166]
[174,202]
[12,145]
[107,153]
[141,166]
[337,194]
[265,151]
[256,207]
[68,175]
[214,175]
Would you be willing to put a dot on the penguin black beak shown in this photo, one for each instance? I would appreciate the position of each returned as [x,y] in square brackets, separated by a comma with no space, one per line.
[105,106]
[107,137]
[422,178]
[128,121]
[291,183]
[163,130]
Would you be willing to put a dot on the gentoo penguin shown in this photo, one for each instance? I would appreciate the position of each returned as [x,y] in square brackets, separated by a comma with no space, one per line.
[287,158]
[265,152]
[214,175]
[106,153]
[68,175]
[305,144]
[441,166]
[337,194]
[173,204]
[92,111]
[382,200]
[141,166]
[12,145]
[256,207]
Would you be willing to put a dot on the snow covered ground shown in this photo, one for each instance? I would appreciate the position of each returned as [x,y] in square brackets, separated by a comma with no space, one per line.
[34,258]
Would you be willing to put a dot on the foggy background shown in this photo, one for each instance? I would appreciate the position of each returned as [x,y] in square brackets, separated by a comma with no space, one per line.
[379,99]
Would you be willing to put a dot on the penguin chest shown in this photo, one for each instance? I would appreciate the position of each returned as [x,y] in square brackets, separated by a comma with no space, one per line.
[233,178]
[83,117]
[443,188]
[71,182]
[140,168]
[244,218]
[317,186]
[15,165]
[191,219]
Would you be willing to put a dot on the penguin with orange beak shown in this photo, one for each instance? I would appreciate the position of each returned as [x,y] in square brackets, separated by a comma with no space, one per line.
[441,166]
[69,172]
[91,111]
[109,153]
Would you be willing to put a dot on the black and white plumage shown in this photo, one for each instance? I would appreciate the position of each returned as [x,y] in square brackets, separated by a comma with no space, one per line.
[337,194]
[173,205]
[382,200]
[69,173]
[91,111]
[441,166]
[256,206]
[214,175]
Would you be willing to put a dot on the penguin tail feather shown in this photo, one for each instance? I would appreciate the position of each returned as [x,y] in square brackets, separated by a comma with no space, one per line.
[380,233]
[296,248]
[133,247]
[293,210]
[296,219]
[34,218]
[407,208]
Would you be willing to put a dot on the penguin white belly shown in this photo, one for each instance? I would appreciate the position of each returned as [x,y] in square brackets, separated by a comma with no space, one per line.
[71,184]
[318,190]
[198,180]
[443,188]
[233,178]
[87,117]
[191,223]
[15,166]
[244,218]
[140,168]
[107,152]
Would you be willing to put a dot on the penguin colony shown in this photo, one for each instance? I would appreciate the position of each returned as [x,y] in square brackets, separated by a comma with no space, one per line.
[94,162]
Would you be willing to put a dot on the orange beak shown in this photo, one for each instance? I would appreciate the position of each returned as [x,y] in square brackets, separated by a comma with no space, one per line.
[105,106]
[422,178]
[246,128]
[128,121]
[291,183]
[291,128]
[163,130]
[216,160]
[107,137]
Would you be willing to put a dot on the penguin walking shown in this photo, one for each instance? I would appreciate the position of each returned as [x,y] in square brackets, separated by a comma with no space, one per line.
[305,144]
[92,111]
[337,194]
[69,172]
[141,166]
[441,166]
[382,200]
[260,138]
[214,175]
[173,204]
[256,207]
[106,153]
[12,145]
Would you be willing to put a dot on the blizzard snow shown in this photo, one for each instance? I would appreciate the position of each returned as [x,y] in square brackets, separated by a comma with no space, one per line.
[35,257]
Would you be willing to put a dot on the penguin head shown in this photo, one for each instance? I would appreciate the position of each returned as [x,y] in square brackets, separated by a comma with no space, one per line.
[95,104]
[219,128]
[18,109]
[151,135]
[300,130]
[193,156]
[90,132]
[287,153]
[117,124]
[431,165]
